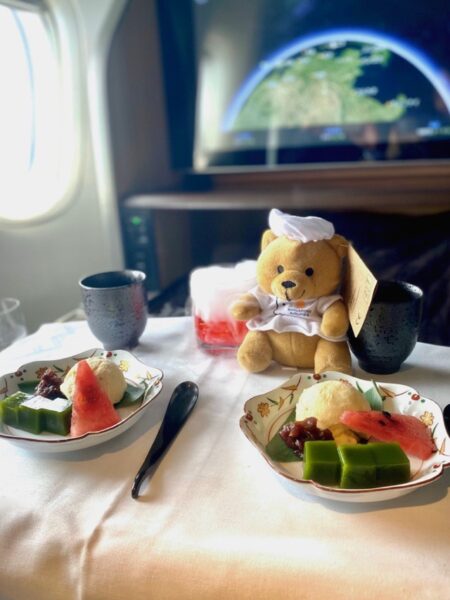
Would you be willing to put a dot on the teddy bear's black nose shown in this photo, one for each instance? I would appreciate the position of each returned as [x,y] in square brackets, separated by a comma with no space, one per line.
[288,284]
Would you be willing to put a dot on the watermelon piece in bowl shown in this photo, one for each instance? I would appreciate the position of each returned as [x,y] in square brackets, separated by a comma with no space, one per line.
[413,436]
[91,407]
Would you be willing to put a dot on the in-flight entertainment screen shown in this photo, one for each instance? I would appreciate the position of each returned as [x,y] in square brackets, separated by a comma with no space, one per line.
[311,81]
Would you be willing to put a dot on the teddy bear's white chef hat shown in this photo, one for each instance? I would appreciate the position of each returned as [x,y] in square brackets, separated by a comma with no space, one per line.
[304,229]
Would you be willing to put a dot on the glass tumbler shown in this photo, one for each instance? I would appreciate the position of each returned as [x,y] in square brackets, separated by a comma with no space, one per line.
[12,322]
[212,290]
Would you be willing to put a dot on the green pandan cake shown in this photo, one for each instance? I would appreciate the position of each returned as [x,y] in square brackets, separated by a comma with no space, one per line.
[355,466]
[36,414]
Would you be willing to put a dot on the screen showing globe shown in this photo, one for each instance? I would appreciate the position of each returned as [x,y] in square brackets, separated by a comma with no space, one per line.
[310,81]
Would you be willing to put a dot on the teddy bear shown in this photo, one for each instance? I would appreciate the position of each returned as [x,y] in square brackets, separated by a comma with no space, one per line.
[295,315]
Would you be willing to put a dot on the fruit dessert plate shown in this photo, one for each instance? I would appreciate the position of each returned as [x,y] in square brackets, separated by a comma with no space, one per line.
[143,384]
[264,415]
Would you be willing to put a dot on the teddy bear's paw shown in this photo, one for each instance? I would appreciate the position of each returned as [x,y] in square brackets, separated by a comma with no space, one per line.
[333,330]
[332,356]
[245,308]
[335,321]
[255,352]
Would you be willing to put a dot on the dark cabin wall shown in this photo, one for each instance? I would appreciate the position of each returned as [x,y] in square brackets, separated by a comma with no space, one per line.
[138,117]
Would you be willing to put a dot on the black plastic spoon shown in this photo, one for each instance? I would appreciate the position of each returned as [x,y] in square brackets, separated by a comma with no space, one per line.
[180,405]
[446,413]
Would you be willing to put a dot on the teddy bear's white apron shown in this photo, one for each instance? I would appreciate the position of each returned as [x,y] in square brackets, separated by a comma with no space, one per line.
[300,316]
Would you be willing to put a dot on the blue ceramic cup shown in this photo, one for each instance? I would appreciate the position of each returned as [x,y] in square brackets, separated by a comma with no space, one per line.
[391,328]
[115,303]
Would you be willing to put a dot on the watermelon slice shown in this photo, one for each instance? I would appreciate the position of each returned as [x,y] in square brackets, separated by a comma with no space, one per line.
[409,432]
[91,408]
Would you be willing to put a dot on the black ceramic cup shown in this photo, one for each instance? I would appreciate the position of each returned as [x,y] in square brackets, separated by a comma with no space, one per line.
[115,303]
[391,328]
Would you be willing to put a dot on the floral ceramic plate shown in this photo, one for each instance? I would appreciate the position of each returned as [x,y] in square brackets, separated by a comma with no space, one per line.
[144,384]
[265,414]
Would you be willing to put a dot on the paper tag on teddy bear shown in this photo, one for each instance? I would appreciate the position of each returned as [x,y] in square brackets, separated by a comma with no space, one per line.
[359,288]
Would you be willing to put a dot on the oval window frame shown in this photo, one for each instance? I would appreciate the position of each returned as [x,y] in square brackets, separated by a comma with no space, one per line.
[60,24]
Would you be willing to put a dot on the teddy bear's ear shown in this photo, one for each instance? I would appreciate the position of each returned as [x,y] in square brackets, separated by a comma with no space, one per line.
[267,237]
[339,244]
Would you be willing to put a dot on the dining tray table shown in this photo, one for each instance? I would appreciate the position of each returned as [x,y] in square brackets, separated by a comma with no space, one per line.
[214,521]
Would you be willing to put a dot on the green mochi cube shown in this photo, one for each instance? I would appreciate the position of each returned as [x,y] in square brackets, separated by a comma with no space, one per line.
[9,409]
[321,462]
[391,462]
[358,469]
[29,420]
[36,414]
[57,421]
[355,466]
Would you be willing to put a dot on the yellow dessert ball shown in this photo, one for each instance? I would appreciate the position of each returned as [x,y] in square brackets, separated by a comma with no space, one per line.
[109,376]
[327,400]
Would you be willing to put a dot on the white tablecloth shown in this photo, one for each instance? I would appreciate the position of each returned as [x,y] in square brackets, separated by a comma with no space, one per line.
[214,521]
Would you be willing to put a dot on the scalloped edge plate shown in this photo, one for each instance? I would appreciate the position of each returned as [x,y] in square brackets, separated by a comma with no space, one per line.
[136,373]
[264,414]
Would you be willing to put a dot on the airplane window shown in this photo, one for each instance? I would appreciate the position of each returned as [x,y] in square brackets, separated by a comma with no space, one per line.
[34,144]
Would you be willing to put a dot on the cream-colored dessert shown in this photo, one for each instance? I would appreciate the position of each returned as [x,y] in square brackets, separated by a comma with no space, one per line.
[109,377]
[327,400]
